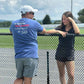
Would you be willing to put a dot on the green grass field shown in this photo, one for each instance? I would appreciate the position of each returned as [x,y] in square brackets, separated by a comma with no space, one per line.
[6,30]
[45,42]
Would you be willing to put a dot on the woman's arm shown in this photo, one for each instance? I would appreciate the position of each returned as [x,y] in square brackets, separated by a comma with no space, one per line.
[76,29]
[53,31]
[57,31]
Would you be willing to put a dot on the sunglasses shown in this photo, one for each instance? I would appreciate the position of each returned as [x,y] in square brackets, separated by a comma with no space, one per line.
[31,13]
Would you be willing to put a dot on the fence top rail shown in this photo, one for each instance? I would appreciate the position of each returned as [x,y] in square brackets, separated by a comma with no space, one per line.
[48,34]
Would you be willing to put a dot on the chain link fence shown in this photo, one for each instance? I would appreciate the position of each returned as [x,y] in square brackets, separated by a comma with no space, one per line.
[46,43]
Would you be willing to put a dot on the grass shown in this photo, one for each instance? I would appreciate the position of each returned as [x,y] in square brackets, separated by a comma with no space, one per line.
[6,41]
[45,42]
[51,42]
[6,30]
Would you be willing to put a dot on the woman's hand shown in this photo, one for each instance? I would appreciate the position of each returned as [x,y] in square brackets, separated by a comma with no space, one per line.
[70,19]
[75,27]
[63,33]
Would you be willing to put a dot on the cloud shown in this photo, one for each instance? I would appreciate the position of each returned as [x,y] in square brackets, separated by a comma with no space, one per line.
[54,8]
[12,2]
[1,8]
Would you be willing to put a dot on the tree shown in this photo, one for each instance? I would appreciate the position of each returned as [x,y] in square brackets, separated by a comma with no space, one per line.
[81,15]
[5,24]
[81,18]
[46,20]
[81,12]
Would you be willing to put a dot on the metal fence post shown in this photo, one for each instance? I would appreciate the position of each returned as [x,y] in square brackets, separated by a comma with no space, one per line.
[48,80]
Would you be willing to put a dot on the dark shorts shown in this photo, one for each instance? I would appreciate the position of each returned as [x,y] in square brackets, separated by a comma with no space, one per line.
[63,54]
[26,67]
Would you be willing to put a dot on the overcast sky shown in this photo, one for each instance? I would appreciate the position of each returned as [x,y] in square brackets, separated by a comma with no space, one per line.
[10,9]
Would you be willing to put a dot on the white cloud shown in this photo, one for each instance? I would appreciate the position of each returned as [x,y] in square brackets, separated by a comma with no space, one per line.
[12,2]
[1,8]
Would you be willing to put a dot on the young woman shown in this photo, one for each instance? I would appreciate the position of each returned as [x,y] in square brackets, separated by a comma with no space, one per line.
[65,51]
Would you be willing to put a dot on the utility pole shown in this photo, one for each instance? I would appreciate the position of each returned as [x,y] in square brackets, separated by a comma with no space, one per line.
[71,5]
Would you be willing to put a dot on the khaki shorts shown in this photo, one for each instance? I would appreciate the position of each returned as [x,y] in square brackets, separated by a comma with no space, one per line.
[26,67]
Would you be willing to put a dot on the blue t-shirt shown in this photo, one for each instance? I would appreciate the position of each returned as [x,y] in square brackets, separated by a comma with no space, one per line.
[25,37]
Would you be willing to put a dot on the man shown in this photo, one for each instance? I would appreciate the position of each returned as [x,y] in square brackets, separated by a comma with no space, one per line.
[24,33]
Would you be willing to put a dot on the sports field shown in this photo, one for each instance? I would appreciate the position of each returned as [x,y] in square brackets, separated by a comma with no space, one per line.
[45,42]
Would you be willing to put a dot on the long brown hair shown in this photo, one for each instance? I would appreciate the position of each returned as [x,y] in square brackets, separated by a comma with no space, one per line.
[67,14]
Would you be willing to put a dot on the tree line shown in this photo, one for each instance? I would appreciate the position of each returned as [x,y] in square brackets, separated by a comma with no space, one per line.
[47,20]
[5,24]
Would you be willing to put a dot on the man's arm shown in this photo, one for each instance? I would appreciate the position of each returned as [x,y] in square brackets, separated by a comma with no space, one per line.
[44,31]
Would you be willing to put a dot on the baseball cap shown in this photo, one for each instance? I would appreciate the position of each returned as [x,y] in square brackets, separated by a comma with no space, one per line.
[27,8]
